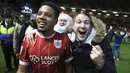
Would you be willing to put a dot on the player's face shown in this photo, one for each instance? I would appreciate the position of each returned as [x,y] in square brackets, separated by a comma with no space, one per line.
[82,26]
[45,18]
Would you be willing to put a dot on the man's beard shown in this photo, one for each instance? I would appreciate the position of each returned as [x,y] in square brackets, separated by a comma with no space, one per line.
[41,31]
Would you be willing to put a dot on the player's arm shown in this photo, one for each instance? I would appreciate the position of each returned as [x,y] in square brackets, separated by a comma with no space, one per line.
[24,57]
[22,69]
[68,60]
[68,67]
[68,57]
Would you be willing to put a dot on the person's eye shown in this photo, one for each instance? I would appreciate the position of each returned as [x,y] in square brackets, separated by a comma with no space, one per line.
[78,21]
[48,14]
[65,20]
[39,13]
[87,22]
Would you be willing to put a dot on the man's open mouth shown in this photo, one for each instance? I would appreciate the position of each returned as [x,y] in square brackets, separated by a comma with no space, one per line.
[82,32]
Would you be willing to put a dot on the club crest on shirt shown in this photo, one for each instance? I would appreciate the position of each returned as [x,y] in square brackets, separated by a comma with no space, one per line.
[58,43]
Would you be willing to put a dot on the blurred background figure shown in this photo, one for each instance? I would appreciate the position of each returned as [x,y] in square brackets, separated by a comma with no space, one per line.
[118,35]
[110,34]
[6,37]
[0,18]
[63,21]
[24,19]
[32,23]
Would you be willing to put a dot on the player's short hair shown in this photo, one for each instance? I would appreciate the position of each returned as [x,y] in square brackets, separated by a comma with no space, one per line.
[54,6]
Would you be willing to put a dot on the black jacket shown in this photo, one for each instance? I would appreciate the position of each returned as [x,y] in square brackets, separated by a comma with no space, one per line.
[82,62]
[22,34]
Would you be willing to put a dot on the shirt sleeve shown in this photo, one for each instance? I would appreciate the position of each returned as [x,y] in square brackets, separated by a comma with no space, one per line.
[24,56]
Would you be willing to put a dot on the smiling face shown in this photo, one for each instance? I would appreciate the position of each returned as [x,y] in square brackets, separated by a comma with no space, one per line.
[82,26]
[45,19]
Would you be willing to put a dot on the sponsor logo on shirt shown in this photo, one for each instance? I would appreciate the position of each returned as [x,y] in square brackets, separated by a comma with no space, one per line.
[44,60]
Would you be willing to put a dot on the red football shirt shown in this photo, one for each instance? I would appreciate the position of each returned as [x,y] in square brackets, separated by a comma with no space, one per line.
[47,54]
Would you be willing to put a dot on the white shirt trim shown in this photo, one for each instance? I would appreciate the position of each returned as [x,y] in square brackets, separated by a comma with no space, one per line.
[23,63]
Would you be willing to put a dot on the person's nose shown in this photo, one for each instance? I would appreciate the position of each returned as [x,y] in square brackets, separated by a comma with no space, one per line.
[62,22]
[82,24]
[42,16]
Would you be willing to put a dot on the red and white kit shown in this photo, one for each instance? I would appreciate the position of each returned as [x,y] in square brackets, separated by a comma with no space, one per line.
[47,54]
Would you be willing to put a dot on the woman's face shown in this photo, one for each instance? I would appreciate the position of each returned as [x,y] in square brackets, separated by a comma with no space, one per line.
[82,26]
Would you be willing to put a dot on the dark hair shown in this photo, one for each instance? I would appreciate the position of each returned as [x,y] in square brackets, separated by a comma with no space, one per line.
[54,6]
[7,15]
